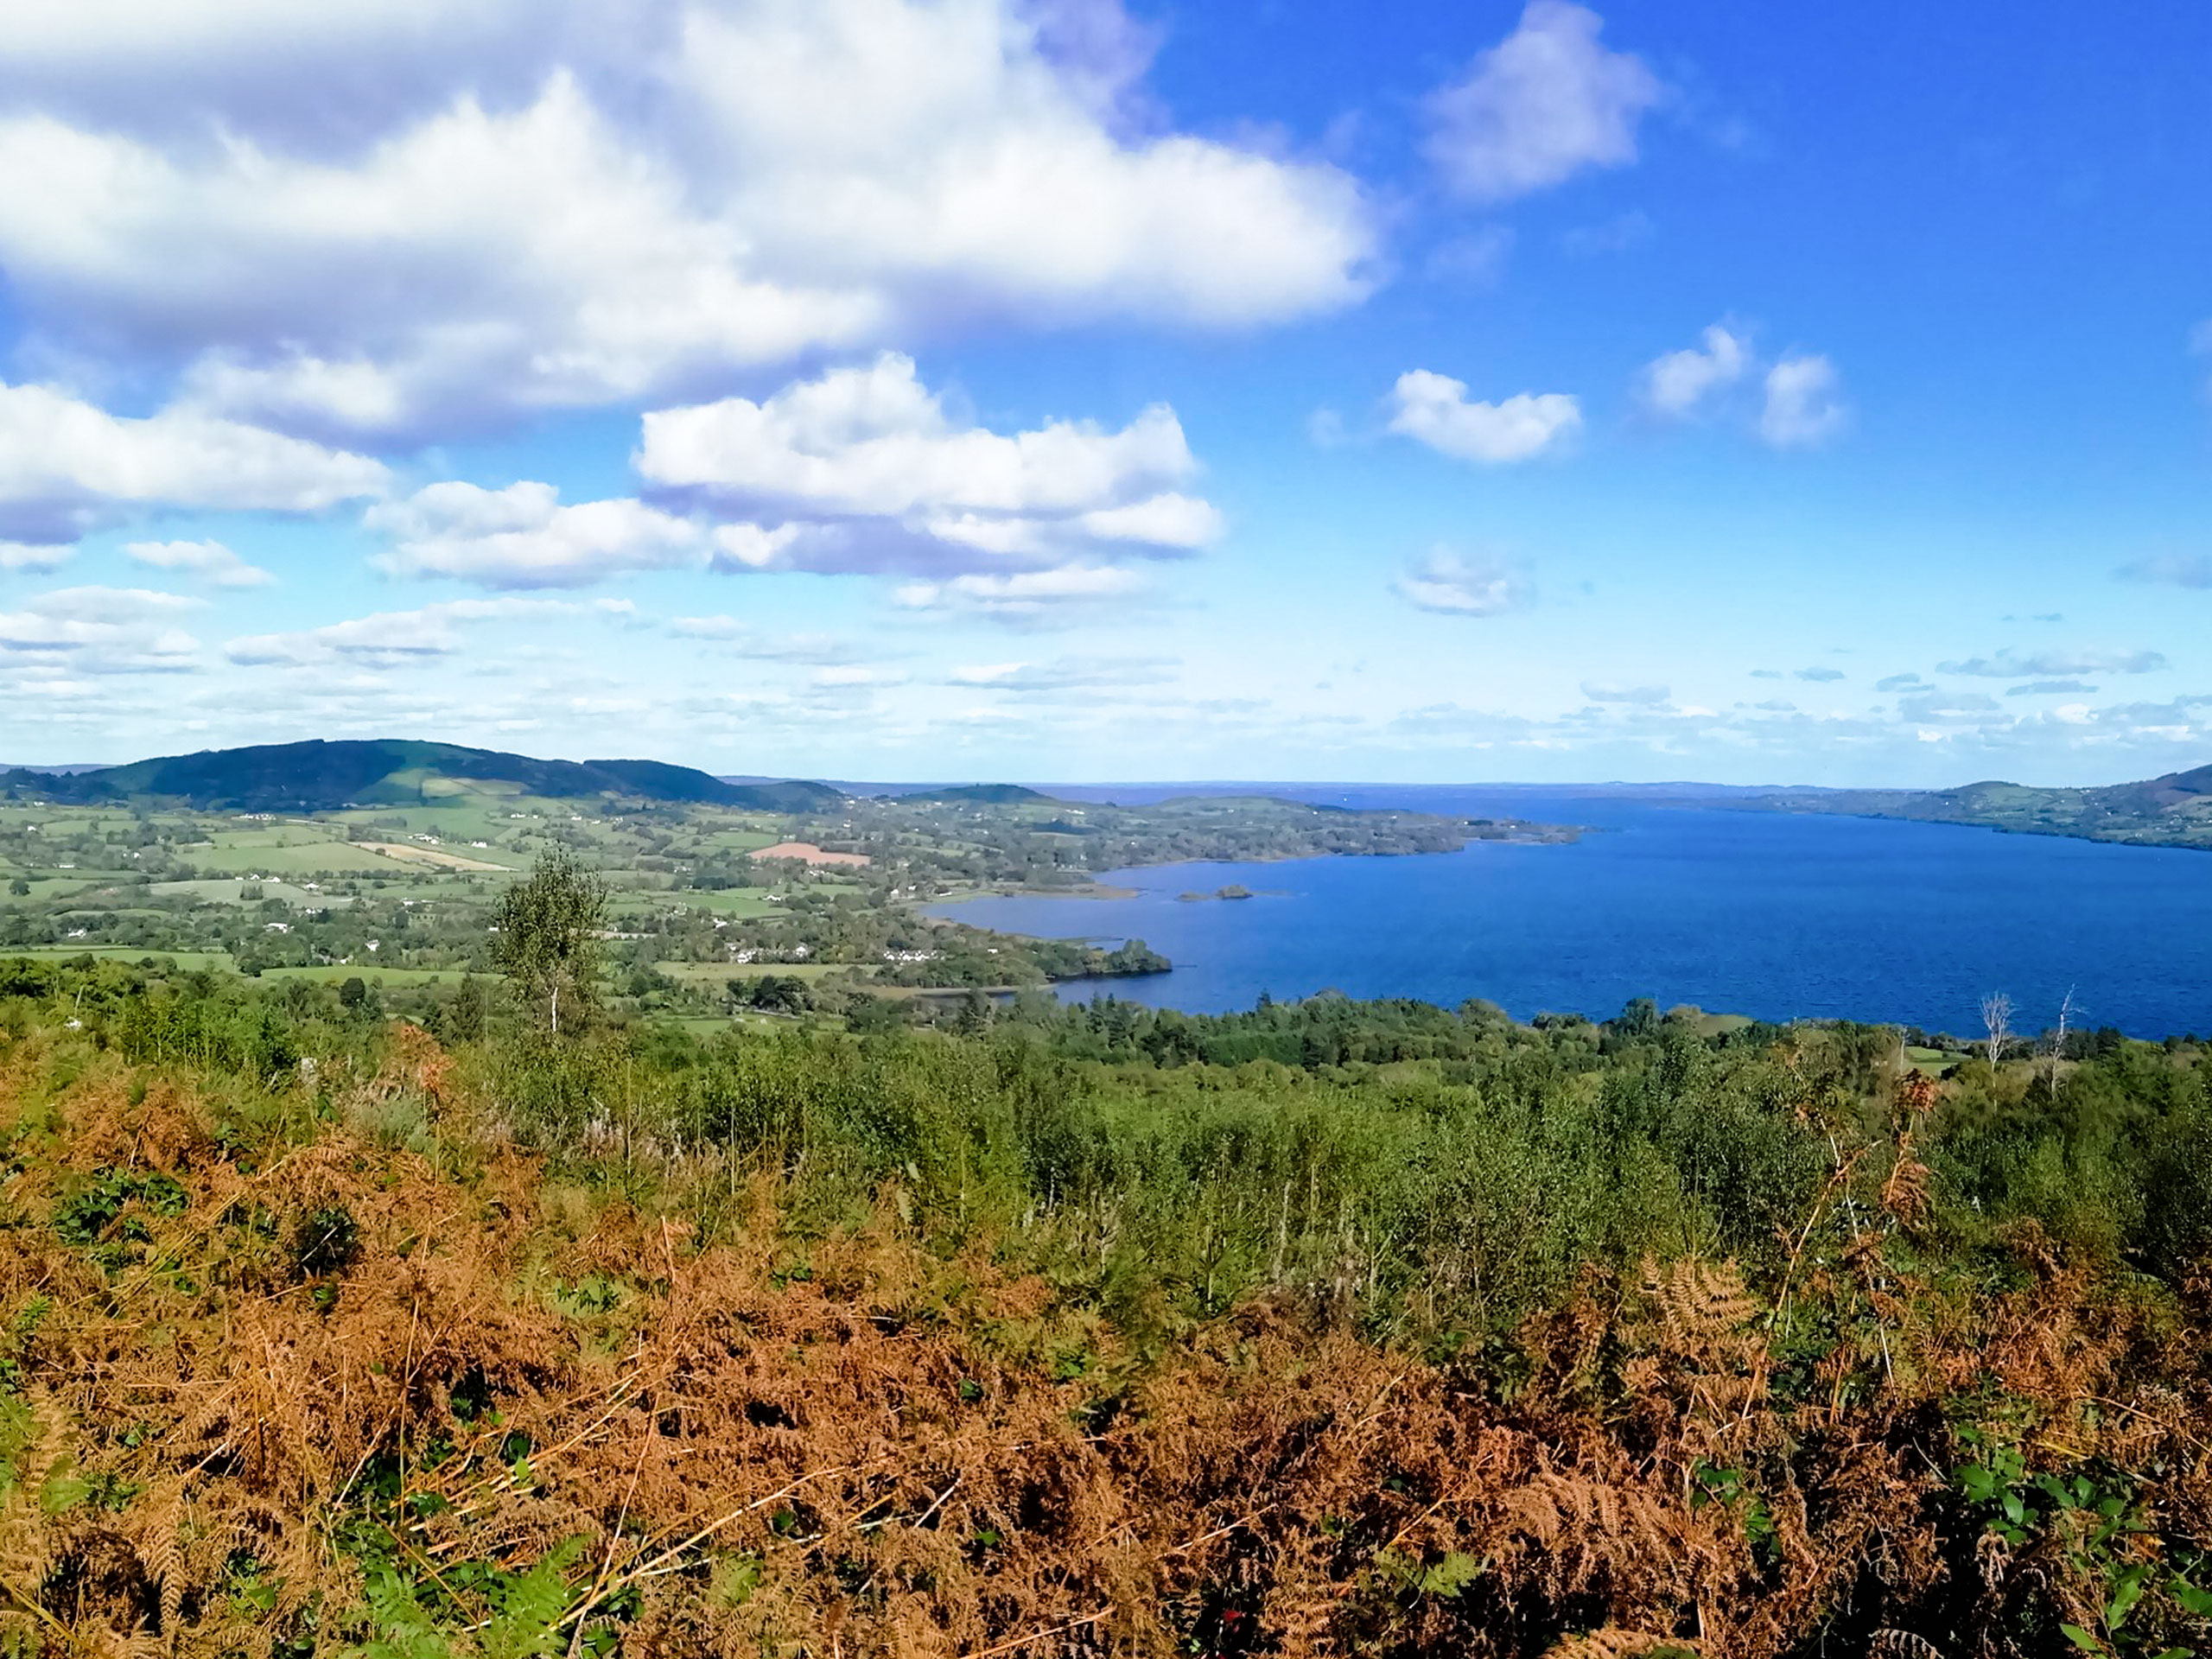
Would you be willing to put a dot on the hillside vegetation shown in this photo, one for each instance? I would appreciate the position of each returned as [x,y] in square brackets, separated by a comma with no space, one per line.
[1329,1328]
[2175,811]
[326,776]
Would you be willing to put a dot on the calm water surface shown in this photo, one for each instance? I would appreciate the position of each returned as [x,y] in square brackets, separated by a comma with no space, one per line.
[1762,913]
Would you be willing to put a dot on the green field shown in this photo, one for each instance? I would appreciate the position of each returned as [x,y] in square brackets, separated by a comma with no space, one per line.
[714,973]
[301,858]
[230,890]
[218,960]
[339,973]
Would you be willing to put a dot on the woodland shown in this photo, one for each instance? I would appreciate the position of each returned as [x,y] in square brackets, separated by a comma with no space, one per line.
[1330,1328]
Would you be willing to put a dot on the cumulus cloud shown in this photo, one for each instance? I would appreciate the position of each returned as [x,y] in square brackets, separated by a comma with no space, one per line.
[1545,103]
[1678,383]
[2045,664]
[387,639]
[1820,675]
[410,219]
[2048,688]
[100,631]
[1900,682]
[1457,586]
[1435,410]
[211,562]
[2174,569]
[864,468]
[522,537]
[67,467]
[1803,406]
[1643,697]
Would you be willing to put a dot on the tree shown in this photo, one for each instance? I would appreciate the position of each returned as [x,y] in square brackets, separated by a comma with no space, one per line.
[1997,1018]
[2059,1039]
[546,937]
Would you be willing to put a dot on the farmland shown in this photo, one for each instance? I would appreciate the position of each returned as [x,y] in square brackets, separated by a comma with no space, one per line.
[707,899]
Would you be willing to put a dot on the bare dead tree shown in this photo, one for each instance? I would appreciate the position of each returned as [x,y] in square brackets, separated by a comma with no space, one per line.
[1997,1018]
[2058,1039]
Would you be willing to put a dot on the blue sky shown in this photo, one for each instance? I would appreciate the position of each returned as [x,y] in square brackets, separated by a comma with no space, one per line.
[1061,391]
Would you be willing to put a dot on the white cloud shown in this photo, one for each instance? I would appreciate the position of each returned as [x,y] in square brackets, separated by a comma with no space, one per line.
[876,441]
[1920,708]
[522,537]
[742,640]
[211,562]
[2046,664]
[1643,697]
[1802,407]
[1435,410]
[867,470]
[1457,586]
[387,639]
[1065,674]
[1679,382]
[35,557]
[100,631]
[1821,675]
[412,218]
[1026,598]
[2178,569]
[2048,688]
[67,466]
[1539,107]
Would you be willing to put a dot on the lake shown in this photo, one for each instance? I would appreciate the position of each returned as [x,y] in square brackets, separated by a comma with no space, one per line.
[1770,914]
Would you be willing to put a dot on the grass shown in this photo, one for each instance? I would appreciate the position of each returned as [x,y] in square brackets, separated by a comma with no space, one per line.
[218,960]
[308,858]
[230,890]
[728,901]
[340,972]
[714,973]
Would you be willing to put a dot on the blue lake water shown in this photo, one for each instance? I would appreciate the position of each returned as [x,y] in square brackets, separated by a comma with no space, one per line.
[1769,914]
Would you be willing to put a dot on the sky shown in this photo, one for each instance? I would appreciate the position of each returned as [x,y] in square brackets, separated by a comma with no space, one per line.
[1071,390]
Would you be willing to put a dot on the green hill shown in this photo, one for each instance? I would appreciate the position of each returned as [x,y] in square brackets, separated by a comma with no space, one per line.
[318,776]
[2173,810]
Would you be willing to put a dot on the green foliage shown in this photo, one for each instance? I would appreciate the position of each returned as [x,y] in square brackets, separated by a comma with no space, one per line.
[325,1241]
[547,938]
[114,1205]
[2090,1525]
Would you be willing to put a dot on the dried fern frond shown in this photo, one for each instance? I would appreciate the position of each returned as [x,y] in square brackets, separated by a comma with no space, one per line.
[1613,1643]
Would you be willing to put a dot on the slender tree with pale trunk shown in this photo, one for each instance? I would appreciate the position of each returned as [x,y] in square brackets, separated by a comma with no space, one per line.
[2058,1039]
[546,938]
[1997,1019]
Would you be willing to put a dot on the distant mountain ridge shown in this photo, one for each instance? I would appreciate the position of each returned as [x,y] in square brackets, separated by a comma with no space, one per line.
[2172,811]
[319,776]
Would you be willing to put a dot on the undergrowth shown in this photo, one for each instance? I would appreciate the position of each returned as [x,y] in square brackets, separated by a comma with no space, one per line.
[933,1346]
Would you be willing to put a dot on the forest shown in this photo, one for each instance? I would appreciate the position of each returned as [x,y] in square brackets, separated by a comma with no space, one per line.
[1328,1328]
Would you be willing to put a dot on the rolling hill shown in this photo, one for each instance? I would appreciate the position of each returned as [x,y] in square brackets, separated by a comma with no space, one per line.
[2173,810]
[318,776]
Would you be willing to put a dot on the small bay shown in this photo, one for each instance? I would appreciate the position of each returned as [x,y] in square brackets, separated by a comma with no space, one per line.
[1687,901]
